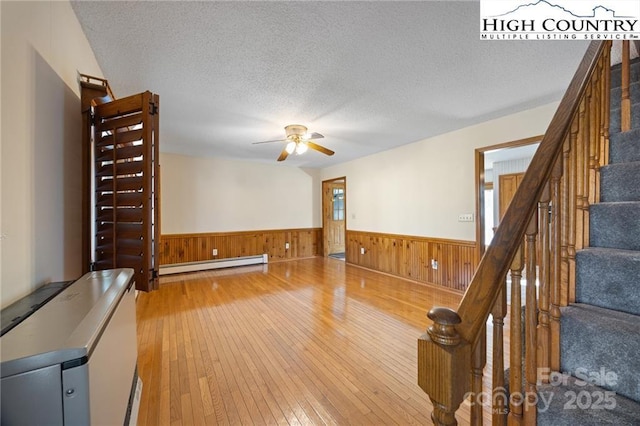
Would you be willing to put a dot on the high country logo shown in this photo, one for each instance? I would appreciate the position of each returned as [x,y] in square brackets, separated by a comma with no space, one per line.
[559,19]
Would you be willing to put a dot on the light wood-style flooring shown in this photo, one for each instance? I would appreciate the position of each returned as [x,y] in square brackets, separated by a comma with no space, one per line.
[312,341]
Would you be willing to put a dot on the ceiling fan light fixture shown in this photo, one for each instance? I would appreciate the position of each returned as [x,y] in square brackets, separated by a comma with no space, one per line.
[299,140]
[301,148]
[291,146]
[295,130]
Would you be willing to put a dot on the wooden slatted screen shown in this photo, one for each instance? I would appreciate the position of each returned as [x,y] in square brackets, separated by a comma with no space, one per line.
[127,187]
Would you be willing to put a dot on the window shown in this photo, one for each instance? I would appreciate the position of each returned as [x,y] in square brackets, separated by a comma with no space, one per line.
[338,204]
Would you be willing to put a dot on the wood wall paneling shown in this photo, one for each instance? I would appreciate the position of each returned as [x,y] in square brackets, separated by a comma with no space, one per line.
[184,248]
[410,257]
[400,255]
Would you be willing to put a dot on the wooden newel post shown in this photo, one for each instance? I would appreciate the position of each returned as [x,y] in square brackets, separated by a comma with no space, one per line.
[444,362]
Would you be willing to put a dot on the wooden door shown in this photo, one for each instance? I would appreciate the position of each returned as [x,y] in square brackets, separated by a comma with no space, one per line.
[334,209]
[127,187]
[507,186]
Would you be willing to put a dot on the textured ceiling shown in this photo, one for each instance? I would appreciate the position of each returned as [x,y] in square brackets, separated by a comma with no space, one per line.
[368,75]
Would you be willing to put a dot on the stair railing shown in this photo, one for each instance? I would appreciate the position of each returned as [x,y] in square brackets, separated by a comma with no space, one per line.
[548,219]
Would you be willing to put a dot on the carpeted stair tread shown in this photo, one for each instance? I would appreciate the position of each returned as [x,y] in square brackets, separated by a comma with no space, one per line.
[624,147]
[594,338]
[601,332]
[614,119]
[616,74]
[620,182]
[616,95]
[575,402]
[609,278]
[615,225]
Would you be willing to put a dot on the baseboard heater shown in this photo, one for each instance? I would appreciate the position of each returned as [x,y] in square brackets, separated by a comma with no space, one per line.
[178,268]
[73,360]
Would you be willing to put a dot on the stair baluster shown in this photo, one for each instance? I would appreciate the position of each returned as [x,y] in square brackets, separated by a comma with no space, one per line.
[478,361]
[499,399]
[576,216]
[625,105]
[515,350]
[531,326]
[594,137]
[582,187]
[556,265]
[544,335]
[606,110]
[568,209]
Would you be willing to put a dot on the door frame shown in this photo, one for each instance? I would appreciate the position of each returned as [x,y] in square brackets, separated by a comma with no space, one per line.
[480,185]
[325,233]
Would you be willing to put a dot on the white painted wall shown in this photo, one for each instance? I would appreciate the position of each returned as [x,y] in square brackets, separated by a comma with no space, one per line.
[206,194]
[43,49]
[419,189]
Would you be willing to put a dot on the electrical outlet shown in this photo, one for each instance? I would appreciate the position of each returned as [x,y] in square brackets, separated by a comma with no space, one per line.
[465,217]
[214,252]
[286,246]
[434,264]
[361,250]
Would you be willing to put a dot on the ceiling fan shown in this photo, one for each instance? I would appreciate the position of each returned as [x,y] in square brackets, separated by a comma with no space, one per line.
[298,140]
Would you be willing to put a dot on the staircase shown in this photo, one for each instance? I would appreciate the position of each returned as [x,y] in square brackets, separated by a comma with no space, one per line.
[600,333]
[577,215]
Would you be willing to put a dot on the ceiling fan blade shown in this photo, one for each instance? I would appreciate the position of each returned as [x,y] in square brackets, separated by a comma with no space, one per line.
[315,135]
[275,140]
[283,155]
[320,148]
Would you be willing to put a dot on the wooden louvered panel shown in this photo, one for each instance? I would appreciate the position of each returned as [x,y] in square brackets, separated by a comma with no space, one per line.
[122,168]
[122,108]
[131,183]
[118,123]
[121,215]
[125,249]
[122,230]
[104,261]
[127,199]
[135,183]
[126,157]
[120,137]
[129,151]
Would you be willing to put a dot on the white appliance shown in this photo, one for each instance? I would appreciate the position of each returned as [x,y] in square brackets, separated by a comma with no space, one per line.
[73,361]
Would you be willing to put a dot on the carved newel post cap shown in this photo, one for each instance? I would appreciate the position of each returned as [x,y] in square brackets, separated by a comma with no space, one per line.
[443,331]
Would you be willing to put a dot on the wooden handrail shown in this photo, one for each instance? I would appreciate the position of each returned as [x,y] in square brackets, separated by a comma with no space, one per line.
[559,185]
[475,307]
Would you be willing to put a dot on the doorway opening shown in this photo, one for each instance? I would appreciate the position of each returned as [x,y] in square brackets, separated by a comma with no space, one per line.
[498,169]
[334,217]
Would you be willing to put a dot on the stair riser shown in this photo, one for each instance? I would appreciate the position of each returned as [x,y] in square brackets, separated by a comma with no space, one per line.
[624,147]
[588,338]
[609,279]
[616,95]
[615,119]
[615,225]
[620,182]
[616,75]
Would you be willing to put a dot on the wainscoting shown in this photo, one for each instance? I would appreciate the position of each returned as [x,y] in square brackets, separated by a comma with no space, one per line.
[183,248]
[410,257]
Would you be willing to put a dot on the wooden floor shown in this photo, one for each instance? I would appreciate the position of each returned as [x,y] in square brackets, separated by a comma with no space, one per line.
[312,341]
